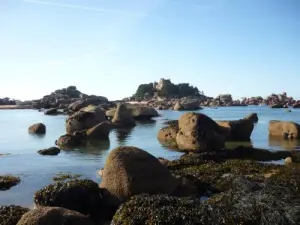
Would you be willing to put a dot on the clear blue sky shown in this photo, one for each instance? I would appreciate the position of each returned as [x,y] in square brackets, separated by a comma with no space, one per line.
[109,47]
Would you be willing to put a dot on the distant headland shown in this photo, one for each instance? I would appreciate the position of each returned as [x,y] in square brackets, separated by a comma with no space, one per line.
[162,94]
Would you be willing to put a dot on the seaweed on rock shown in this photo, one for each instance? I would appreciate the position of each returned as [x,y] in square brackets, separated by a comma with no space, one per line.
[83,196]
[65,176]
[11,214]
[8,181]
[158,209]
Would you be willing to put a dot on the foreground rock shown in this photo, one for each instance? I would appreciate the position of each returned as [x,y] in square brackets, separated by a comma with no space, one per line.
[83,196]
[8,181]
[10,215]
[246,192]
[86,118]
[129,171]
[49,151]
[38,128]
[53,216]
[284,129]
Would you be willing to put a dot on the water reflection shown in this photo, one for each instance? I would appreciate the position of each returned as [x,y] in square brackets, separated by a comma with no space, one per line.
[282,143]
[146,123]
[232,144]
[122,134]
[95,147]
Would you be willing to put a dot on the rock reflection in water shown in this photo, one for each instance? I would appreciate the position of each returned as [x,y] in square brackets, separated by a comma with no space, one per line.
[122,134]
[281,143]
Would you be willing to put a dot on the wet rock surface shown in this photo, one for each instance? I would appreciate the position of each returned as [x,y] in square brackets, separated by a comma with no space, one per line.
[11,214]
[81,195]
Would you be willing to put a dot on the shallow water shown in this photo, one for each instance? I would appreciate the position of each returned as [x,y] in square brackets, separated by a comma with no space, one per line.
[37,171]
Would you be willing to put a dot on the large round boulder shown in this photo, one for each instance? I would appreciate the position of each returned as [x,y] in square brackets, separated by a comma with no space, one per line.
[198,132]
[53,216]
[38,128]
[129,171]
[285,129]
[86,118]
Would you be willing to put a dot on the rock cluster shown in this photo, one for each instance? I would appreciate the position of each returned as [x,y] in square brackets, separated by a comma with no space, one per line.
[62,98]
[198,132]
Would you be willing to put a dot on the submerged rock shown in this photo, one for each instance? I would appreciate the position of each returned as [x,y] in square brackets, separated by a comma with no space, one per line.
[51,111]
[83,196]
[38,128]
[49,151]
[8,181]
[11,214]
[129,171]
[53,216]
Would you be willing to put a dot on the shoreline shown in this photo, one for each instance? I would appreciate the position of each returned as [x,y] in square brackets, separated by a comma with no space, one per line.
[14,107]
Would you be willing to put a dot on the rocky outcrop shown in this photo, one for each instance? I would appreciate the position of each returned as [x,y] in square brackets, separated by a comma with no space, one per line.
[7,101]
[53,216]
[284,129]
[11,214]
[123,116]
[38,128]
[49,151]
[86,118]
[63,97]
[129,171]
[198,132]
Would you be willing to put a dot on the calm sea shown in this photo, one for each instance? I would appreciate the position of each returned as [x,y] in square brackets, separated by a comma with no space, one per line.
[37,171]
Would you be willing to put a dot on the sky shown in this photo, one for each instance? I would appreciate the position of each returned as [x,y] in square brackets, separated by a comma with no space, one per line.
[109,47]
